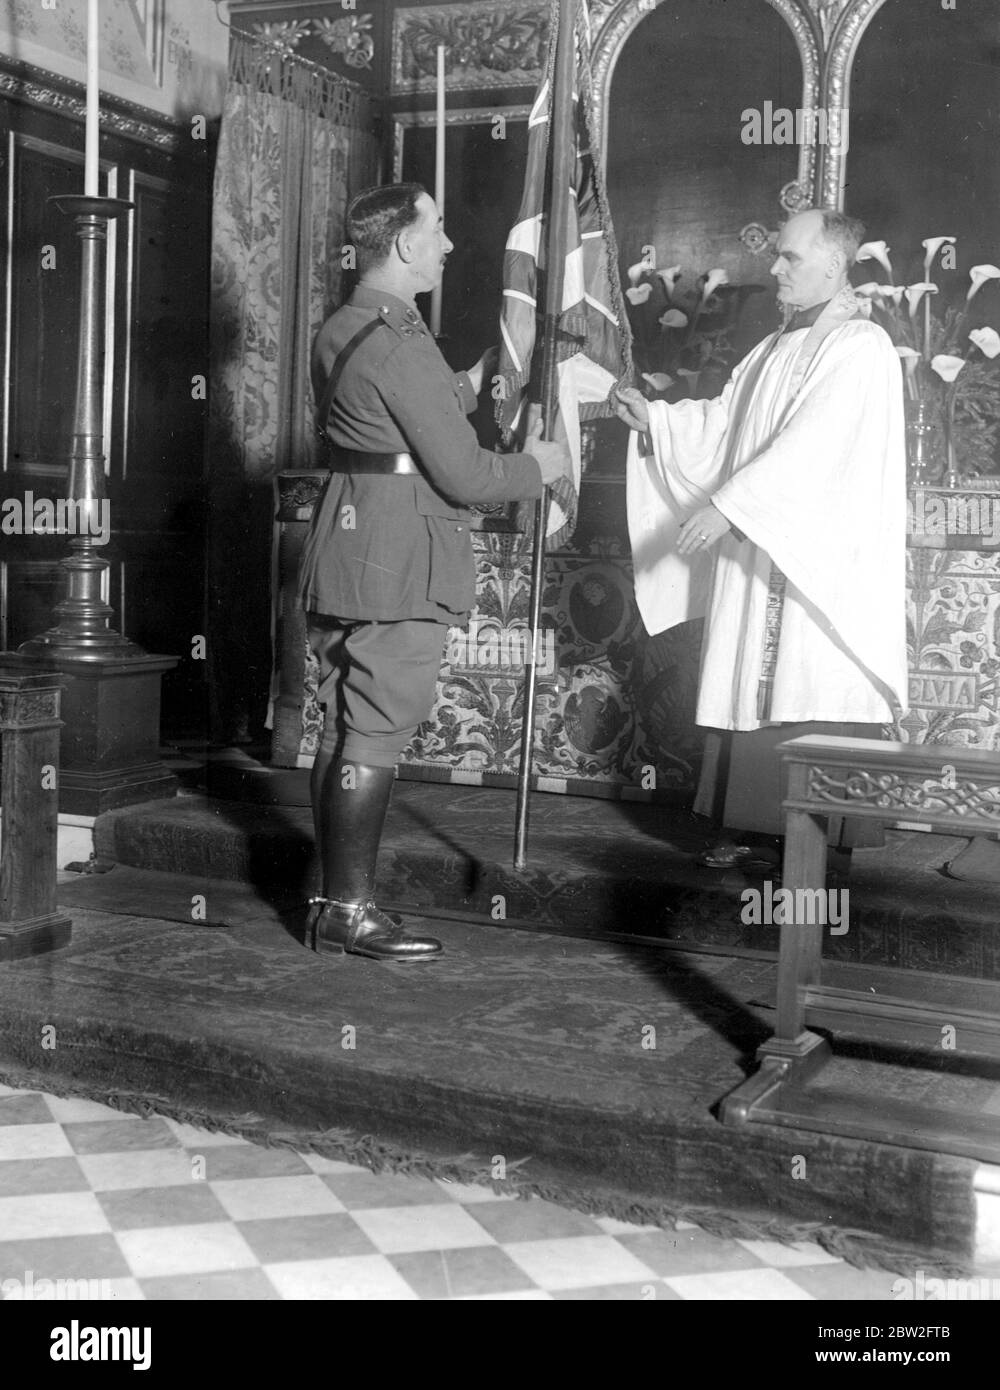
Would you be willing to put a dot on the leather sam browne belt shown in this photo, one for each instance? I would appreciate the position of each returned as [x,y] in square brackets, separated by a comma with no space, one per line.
[353,461]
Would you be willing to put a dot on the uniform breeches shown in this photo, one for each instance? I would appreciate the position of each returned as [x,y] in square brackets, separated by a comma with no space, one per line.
[376,683]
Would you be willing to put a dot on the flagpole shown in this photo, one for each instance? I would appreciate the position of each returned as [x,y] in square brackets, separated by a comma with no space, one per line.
[561,163]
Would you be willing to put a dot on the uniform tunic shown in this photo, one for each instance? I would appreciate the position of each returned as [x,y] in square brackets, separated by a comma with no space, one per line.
[384,548]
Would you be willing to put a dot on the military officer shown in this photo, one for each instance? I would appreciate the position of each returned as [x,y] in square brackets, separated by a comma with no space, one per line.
[387,566]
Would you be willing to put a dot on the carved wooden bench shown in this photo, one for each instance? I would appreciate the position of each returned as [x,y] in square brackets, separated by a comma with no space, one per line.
[952,790]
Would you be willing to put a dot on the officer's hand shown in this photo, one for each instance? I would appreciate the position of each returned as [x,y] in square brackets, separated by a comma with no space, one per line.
[484,368]
[552,456]
[631,406]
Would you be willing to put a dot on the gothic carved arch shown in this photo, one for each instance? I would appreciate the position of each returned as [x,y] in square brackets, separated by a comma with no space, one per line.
[846,28]
[827,34]
[797,14]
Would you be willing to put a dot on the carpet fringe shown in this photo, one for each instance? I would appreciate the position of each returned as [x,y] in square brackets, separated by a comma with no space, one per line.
[861,1249]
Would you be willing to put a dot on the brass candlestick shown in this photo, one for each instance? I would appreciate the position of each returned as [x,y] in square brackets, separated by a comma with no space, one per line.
[82,630]
[111,707]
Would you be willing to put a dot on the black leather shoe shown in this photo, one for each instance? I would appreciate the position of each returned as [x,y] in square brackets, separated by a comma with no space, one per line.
[363,929]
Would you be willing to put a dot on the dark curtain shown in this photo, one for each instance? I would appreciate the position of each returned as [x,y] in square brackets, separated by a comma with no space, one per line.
[296,143]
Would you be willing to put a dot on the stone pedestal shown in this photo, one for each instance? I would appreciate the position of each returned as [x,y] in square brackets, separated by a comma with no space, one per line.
[111,734]
[29,730]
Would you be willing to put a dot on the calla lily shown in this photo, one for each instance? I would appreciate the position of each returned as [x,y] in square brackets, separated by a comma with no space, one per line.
[915,293]
[670,278]
[979,274]
[876,291]
[638,294]
[658,380]
[932,246]
[673,318]
[908,354]
[875,251]
[987,340]
[946,366]
[713,280]
[637,271]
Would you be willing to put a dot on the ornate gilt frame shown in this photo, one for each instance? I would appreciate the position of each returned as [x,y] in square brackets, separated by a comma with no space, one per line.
[827,34]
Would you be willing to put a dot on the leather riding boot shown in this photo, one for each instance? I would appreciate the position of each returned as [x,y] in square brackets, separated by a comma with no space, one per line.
[354,799]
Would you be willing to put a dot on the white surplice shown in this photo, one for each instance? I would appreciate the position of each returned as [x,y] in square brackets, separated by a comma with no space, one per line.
[811,468]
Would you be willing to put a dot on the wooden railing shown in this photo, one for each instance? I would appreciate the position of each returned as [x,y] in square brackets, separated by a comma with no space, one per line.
[952,790]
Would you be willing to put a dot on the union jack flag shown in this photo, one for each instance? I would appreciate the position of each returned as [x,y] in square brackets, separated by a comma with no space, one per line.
[563,228]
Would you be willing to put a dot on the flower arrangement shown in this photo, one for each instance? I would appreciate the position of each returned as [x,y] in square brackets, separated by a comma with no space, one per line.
[682,339]
[952,372]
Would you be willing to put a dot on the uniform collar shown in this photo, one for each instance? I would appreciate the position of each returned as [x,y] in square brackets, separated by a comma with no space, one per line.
[390,305]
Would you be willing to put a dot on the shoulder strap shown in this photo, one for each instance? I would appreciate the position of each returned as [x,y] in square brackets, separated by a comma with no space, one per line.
[340,362]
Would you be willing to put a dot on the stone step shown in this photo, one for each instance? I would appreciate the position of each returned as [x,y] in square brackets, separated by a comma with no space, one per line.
[595,868]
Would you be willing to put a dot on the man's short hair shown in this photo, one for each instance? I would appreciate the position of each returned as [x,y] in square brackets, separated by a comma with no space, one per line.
[846,233]
[376,217]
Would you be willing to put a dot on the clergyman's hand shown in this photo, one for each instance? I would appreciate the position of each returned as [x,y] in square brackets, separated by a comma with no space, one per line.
[484,368]
[701,530]
[630,406]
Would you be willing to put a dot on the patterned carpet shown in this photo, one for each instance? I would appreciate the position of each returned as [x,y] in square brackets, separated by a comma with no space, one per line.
[593,866]
[590,1070]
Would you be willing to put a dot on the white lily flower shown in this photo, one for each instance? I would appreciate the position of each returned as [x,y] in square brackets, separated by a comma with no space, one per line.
[658,380]
[875,251]
[987,340]
[714,279]
[894,292]
[946,366]
[907,353]
[979,274]
[638,294]
[670,276]
[932,246]
[637,271]
[915,293]
[673,318]
[869,290]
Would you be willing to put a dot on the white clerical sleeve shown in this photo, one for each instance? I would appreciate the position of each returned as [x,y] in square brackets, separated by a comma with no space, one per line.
[826,499]
[662,490]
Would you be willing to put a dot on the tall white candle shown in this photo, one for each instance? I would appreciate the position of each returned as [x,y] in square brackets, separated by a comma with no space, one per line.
[90,160]
[438,179]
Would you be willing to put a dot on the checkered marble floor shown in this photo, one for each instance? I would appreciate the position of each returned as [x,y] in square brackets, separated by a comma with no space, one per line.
[154,1209]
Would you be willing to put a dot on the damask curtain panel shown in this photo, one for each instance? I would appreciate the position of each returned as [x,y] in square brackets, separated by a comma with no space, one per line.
[295,144]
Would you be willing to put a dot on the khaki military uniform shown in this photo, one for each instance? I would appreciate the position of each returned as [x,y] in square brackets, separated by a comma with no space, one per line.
[388,564]
[388,547]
